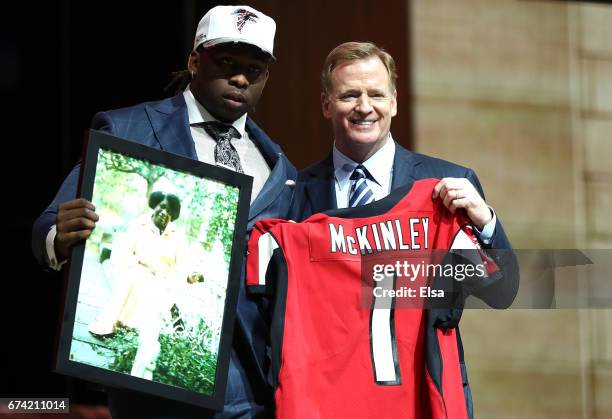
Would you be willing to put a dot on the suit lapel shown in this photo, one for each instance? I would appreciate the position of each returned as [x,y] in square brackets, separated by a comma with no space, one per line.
[320,186]
[271,189]
[269,149]
[405,167]
[319,179]
[279,174]
[170,123]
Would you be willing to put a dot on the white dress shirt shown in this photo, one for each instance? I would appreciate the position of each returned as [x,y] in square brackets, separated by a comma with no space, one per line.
[251,159]
[378,166]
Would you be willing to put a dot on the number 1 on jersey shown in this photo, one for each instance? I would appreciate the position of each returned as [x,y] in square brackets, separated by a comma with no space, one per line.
[383,344]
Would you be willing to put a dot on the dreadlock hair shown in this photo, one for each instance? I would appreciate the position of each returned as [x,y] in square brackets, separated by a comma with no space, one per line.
[178,83]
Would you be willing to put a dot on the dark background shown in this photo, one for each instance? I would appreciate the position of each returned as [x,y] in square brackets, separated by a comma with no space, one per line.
[62,61]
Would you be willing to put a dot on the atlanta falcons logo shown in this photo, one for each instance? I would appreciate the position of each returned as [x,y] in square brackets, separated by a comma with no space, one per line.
[242,17]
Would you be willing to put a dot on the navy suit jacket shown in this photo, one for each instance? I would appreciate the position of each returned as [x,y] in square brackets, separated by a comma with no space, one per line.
[315,193]
[165,125]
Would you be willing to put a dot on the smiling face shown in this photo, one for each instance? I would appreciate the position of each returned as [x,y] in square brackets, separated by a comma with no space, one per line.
[161,215]
[360,105]
[229,78]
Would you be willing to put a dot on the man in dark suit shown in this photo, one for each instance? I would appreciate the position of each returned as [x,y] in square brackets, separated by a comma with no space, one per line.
[359,99]
[226,74]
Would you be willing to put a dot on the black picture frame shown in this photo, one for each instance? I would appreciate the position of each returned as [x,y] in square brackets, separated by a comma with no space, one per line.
[134,285]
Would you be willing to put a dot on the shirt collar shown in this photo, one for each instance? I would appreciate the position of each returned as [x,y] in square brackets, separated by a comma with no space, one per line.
[198,113]
[377,164]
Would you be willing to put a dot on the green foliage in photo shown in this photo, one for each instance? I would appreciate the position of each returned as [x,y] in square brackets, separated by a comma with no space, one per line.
[221,225]
[124,344]
[184,360]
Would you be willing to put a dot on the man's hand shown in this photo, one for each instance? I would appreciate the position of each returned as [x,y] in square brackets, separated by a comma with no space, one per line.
[460,193]
[75,221]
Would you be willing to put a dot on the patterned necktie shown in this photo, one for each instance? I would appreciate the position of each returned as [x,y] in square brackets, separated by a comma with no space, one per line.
[225,153]
[361,194]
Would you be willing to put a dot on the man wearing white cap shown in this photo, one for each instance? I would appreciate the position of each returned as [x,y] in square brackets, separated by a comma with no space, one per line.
[226,73]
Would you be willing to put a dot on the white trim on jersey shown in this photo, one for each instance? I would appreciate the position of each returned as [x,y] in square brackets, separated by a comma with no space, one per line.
[382,335]
[266,245]
[464,241]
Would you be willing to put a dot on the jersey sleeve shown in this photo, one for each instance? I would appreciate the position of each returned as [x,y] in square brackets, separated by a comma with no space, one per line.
[260,250]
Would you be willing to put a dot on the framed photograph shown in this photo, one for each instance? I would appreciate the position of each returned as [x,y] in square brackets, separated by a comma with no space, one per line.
[151,296]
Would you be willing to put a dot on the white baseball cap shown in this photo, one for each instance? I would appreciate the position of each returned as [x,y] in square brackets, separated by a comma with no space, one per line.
[223,24]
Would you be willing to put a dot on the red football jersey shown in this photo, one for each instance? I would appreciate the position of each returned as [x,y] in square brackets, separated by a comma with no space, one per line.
[340,346]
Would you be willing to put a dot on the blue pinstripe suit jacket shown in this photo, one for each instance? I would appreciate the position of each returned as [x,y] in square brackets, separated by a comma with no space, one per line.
[165,125]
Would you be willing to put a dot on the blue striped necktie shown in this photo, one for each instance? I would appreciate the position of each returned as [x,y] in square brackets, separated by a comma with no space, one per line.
[361,194]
